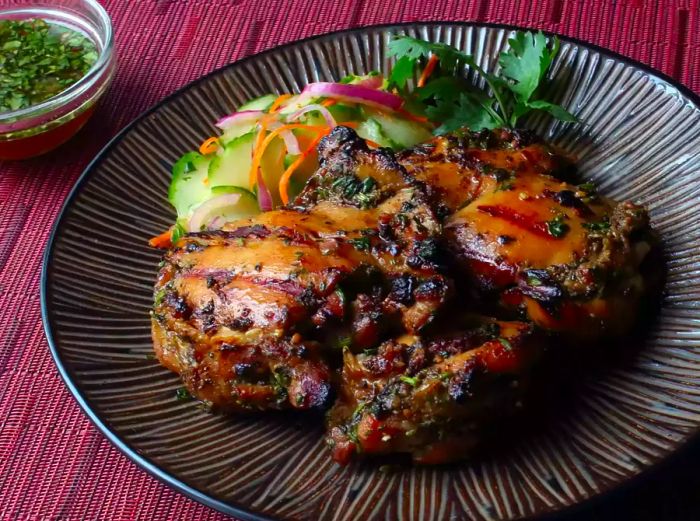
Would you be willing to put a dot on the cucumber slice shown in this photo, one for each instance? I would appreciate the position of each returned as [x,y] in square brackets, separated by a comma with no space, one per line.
[245,206]
[231,166]
[272,168]
[261,103]
[219,190]
[372,130]
[342,112]
[236,131]
[188,188]
[403,133]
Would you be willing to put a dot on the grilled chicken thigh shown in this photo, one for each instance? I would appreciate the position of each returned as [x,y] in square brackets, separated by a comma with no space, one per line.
[358,271]
[249,315]
[565,256]
[429,397]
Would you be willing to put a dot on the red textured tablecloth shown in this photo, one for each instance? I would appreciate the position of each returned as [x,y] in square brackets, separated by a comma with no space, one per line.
[53,462]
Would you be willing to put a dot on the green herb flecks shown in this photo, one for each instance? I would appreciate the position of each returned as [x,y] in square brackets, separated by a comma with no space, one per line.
[183,394]
[410,380]
[597,227]
[506,344]
[361,243]
[39,60]
[557,227]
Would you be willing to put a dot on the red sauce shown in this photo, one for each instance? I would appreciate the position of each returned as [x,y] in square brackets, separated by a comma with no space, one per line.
[37,144]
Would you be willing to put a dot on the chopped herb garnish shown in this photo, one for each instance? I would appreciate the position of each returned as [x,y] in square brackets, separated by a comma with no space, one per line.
[588,188]
[361,243]
[449,99]
[410,380]
[601,226]
[159,296]
[39,60]
[505,186]
[557,227]
[343,342]
[533,281]
[183,394]
[505,343]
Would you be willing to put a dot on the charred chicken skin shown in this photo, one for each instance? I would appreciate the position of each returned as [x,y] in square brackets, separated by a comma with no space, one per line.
[365,269]
[243,313]
[429,397]
[565,256]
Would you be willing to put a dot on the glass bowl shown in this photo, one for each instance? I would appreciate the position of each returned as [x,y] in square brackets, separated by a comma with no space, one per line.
[34,130]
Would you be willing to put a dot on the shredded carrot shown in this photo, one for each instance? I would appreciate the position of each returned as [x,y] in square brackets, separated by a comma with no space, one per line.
[351,124]
[161,241]
[329,102]
[278,102]
[209,146]
[429,68]
[287,175]
[413,117]
[258,141]
[372,143]
[258,151]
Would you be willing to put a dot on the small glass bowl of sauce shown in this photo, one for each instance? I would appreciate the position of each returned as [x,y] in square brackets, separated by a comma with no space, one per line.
[56,61]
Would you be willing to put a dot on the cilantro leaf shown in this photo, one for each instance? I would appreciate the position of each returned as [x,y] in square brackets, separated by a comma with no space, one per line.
[557,111]
[402,71]
[526,63]
[410,50]
[452,102]
[449,99]
[470,109]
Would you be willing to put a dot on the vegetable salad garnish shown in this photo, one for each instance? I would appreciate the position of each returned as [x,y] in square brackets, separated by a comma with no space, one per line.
[266,150]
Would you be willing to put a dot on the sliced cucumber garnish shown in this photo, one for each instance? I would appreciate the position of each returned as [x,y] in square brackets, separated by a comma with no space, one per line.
[261,103]
[188,186]
[231,166]
[236,131]
[404,133]
[219,190]
[272,168]
[370,129]
[216,212]
[342,113]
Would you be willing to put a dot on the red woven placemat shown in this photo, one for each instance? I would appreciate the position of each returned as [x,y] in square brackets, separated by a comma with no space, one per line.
[53,462]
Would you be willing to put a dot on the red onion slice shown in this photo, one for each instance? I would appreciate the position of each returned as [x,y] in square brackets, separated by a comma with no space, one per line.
[205,215]
[245,116]
[354,93]
[291,142]
[264,195]
[330,120]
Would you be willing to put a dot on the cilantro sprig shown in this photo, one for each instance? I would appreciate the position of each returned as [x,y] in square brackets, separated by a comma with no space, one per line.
[448,98]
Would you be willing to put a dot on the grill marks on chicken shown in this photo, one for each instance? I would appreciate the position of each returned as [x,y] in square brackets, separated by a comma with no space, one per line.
[242,313]
[563,255]
[354,272]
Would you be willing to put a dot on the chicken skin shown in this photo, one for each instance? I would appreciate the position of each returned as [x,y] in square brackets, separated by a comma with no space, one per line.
[429,397]
[563,255]
[249,315]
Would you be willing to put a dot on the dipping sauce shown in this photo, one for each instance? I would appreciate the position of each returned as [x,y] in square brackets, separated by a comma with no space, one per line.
[39,60]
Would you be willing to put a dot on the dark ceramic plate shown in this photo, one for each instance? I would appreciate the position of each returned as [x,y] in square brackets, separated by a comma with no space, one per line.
[639,139]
